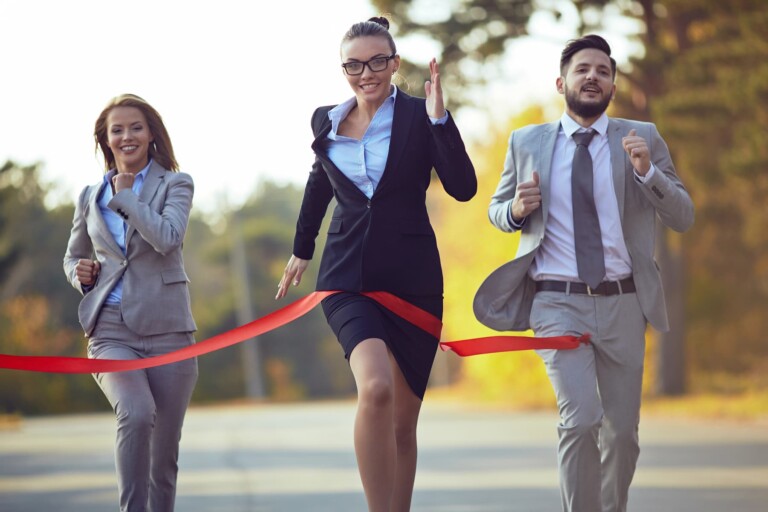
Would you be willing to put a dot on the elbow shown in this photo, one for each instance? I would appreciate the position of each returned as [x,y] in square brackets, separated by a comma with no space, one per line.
[466,193]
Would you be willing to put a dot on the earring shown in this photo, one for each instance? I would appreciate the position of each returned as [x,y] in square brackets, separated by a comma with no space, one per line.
[154,146]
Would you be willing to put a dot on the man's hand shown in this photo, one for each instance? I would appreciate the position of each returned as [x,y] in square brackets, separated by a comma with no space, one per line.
[638,152]
[527,198]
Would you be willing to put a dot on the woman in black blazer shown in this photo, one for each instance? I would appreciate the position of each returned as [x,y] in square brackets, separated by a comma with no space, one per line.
[375,154]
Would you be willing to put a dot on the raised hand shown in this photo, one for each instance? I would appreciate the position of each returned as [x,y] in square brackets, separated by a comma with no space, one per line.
[527,198]
[637,149]
[434,92]
[123,180]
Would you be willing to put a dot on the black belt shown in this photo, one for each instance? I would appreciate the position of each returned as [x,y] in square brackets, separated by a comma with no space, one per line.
[605,288]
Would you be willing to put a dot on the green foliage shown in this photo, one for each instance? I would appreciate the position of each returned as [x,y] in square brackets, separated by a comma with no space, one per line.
[703,79]
[38,308]
[299,360]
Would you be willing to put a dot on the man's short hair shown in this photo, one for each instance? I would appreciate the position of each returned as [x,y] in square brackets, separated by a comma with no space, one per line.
[576,45]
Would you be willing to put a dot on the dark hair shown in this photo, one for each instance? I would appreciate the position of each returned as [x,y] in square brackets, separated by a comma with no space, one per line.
[161,150]
[376,26]
[576,45]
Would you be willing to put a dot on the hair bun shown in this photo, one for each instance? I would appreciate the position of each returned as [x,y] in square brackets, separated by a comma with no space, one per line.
[380,20]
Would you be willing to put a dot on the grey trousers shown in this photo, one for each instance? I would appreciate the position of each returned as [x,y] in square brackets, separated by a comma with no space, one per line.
[598,389]
[149,406]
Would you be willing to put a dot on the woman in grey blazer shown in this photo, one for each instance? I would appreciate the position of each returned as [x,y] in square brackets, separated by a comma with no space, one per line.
[124,256]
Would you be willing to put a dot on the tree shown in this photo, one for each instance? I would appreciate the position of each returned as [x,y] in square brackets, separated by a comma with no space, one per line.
[701,59]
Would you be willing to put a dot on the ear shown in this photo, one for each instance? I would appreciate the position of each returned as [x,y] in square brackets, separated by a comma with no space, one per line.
[560,85]
[396,60]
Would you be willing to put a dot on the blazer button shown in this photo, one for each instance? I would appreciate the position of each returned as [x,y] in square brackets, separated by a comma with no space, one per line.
[124,263]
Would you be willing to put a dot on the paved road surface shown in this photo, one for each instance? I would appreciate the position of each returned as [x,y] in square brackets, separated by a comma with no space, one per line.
[299,457]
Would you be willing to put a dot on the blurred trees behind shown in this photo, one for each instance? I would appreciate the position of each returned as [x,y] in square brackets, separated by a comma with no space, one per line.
[38,307]
[703,79]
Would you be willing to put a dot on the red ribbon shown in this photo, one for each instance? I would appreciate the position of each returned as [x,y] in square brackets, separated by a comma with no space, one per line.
[417,316]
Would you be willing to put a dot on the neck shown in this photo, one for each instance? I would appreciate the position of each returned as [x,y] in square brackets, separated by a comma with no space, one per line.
[584,122]
[368,109]
[131,169]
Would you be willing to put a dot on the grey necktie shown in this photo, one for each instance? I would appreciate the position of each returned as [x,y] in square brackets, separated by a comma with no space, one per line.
[586,226]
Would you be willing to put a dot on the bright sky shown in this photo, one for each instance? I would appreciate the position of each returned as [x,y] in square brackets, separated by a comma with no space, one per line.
[236,83]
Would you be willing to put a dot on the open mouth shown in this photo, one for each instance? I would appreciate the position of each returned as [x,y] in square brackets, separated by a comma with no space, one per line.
[129,148]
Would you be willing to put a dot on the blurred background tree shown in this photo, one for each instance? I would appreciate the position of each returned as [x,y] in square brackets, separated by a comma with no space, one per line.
[701,75]
[699,70]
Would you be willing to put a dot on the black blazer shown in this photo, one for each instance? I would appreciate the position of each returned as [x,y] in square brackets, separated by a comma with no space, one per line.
[385,243]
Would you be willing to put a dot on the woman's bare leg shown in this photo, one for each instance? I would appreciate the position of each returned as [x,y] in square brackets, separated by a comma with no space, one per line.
[374,423]
[406,416]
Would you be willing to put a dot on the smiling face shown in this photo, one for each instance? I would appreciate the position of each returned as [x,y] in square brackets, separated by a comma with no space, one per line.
[129,137]
[587,85]
[369,87]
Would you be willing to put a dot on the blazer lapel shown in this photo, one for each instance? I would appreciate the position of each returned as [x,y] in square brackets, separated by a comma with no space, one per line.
[618,163]
[152,181]
[320,145]
[544,165]
[401,127]
[93,214]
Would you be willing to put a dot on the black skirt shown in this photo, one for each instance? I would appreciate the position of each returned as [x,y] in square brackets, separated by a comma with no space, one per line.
[354,318]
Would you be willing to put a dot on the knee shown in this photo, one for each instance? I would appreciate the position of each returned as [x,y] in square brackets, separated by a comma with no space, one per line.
[135,417]
[585,423]
[620,433]
[376,393]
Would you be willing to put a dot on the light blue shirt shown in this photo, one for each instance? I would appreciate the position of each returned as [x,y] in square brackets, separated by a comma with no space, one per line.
[363,161]
[115,222]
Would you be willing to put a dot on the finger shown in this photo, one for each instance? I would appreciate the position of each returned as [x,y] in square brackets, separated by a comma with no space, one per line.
[536,177]
[428,88]
[298,276]
[96,267]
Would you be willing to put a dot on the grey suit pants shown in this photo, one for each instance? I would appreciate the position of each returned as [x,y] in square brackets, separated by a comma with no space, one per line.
[598,389]
[149,406]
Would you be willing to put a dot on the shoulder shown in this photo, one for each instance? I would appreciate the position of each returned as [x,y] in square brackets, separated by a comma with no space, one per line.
[181,177]
[320,116]
[629,124]
[405,99]
[532,130]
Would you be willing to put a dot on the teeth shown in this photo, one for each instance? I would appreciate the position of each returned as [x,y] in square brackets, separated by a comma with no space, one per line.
[129,148]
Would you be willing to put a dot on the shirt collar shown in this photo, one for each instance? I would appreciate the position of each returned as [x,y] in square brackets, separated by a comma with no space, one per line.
[338,113]
[570,126]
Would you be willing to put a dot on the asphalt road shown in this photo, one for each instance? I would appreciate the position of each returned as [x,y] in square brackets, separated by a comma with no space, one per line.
[299,457]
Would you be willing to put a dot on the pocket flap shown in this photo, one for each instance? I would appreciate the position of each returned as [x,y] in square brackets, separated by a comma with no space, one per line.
[174,276]
[335,226]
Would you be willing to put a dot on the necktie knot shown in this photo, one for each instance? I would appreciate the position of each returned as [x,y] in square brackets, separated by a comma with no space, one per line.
[583,138]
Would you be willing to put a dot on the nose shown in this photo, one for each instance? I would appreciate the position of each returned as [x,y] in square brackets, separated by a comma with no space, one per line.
[367,71]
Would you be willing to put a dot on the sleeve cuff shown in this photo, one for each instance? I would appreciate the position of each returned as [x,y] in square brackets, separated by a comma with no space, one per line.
[512,221]
[442,120]
[648,175]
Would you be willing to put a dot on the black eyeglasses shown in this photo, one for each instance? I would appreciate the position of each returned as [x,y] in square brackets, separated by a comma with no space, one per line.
[375,64]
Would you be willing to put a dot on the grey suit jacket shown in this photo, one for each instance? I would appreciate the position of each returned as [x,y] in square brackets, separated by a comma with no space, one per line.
[503,301]
[155,296]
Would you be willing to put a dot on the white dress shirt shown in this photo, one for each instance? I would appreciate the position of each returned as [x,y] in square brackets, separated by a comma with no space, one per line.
[556,258]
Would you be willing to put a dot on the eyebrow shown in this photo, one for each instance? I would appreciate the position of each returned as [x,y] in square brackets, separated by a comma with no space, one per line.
[377,56]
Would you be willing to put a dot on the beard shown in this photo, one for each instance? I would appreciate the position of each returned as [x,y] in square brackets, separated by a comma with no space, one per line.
[584,109]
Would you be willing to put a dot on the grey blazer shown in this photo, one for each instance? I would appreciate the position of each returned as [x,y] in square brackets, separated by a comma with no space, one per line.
[503,301]
[155,296]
